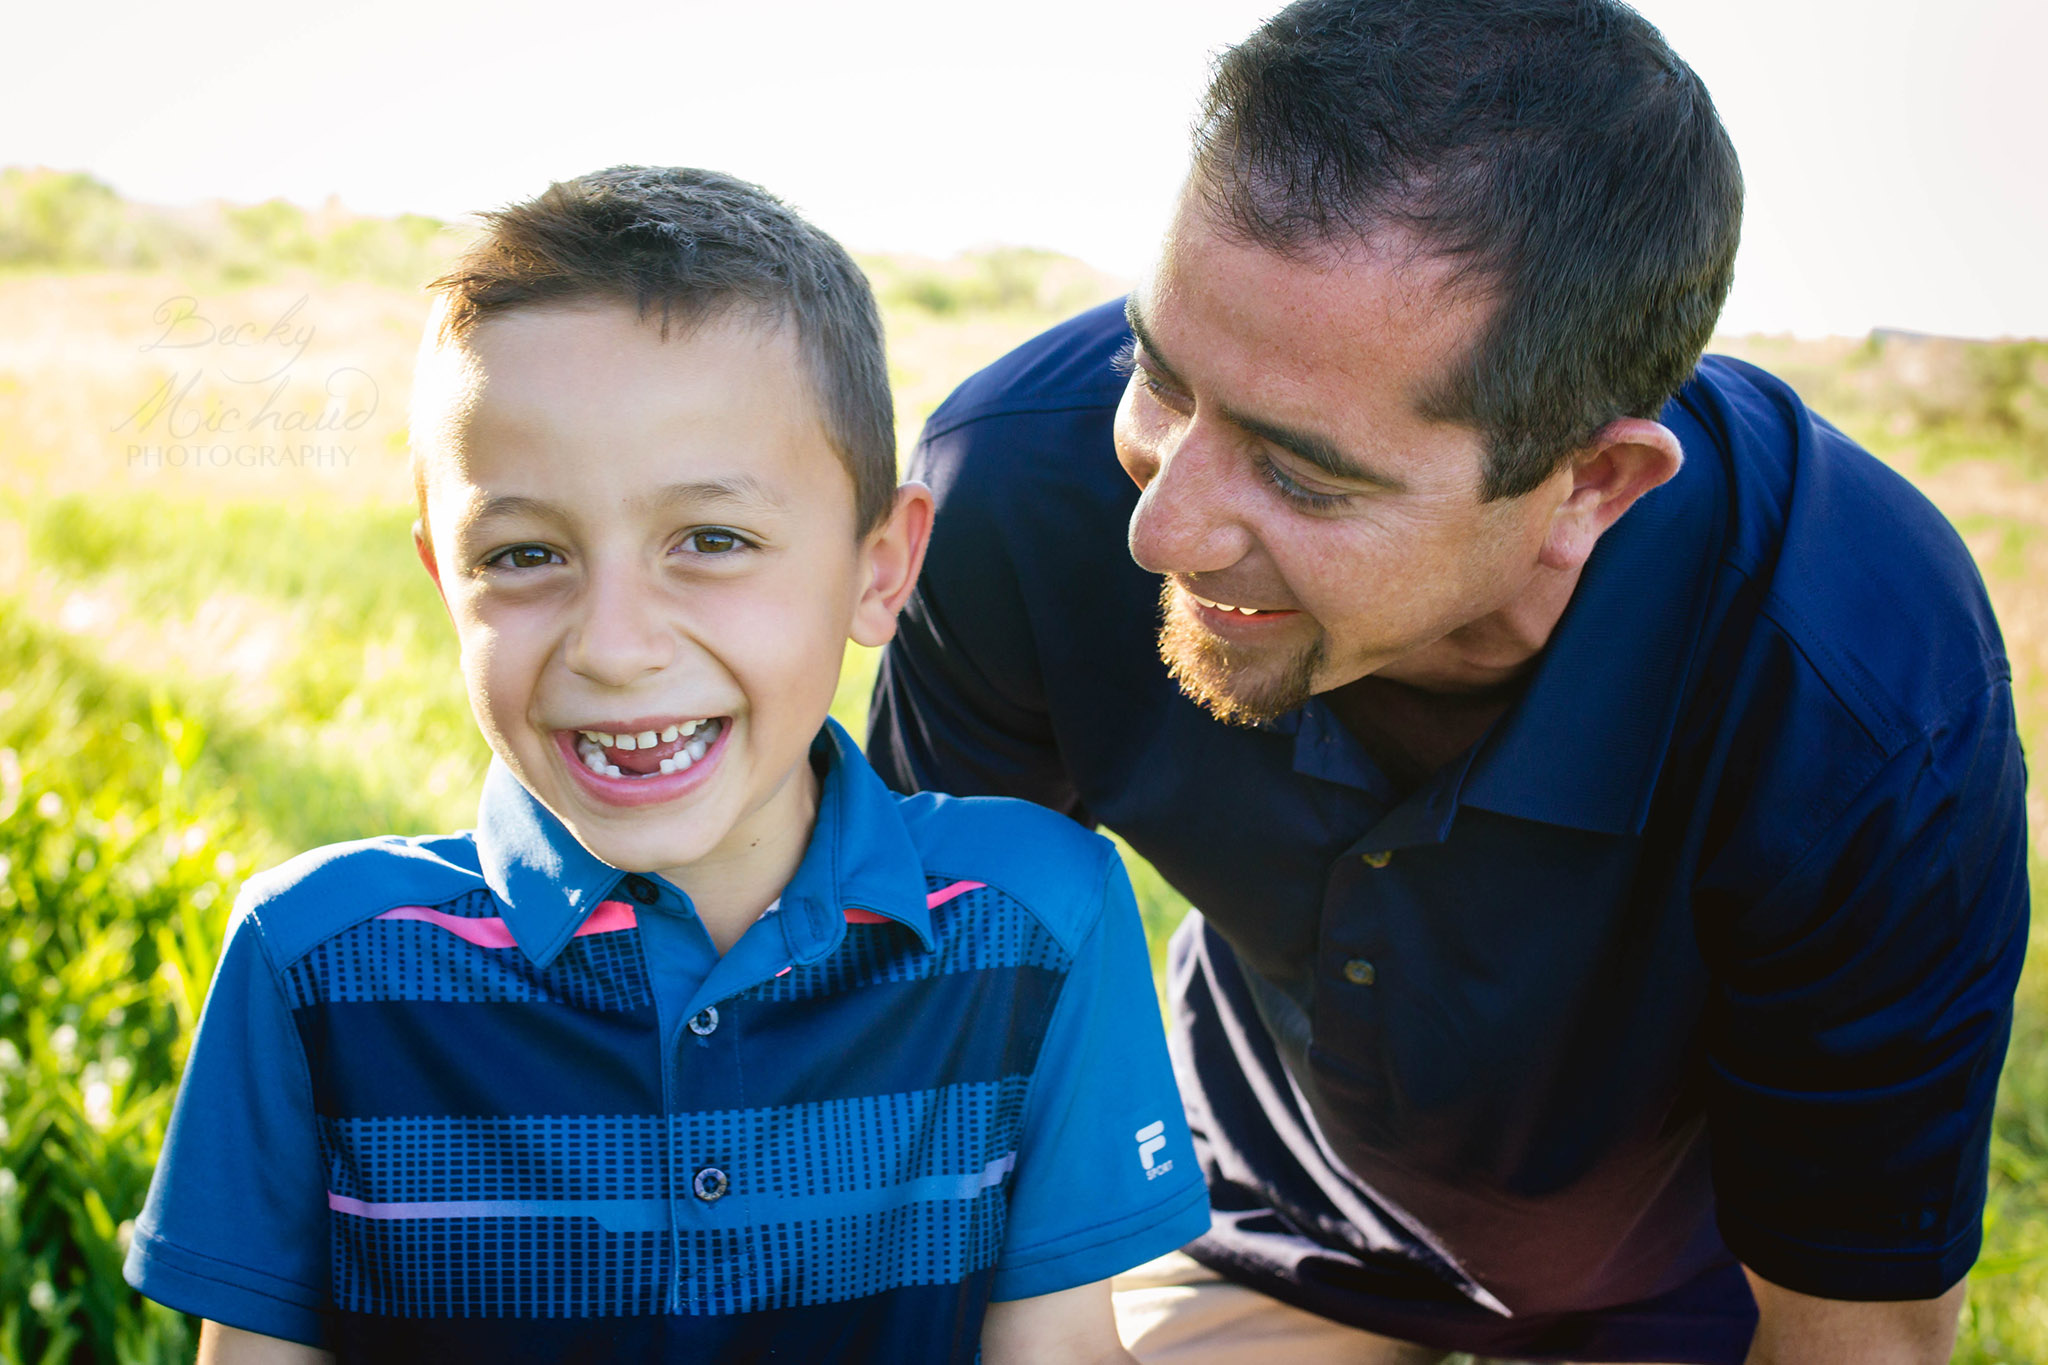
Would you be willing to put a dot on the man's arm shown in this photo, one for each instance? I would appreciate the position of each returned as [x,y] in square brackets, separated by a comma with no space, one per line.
[220,1344]
[1854,1043]
[1799,1329]
[1072,1327]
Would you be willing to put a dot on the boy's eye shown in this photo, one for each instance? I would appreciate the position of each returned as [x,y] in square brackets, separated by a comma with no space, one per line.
[523,557]
[714,540]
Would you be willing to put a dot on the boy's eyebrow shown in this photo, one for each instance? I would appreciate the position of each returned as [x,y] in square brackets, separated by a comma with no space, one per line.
[1315,450]
[509,505]
[742,491]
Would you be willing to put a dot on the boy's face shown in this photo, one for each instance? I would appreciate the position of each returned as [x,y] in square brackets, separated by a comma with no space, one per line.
[651,543]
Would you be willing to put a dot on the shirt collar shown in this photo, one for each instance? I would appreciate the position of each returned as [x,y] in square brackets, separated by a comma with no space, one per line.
[1584,745]
[860,857]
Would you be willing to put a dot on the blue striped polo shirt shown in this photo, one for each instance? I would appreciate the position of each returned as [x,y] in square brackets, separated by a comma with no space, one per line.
[485,1094]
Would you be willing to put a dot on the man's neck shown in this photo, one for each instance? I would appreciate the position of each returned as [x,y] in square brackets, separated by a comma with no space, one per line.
[1497,649]
[1411,732]
[1418,713]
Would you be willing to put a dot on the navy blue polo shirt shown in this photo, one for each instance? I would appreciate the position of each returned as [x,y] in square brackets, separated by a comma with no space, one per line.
[1705,950]
[485,1097]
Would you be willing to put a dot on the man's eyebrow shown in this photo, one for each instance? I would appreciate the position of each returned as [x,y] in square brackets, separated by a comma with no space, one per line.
[1312,449]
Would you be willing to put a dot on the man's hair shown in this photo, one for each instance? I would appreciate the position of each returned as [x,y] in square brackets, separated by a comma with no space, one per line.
[688,245]
[1557,151]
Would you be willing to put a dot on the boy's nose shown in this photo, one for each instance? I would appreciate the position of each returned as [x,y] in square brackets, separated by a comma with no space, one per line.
[625,634]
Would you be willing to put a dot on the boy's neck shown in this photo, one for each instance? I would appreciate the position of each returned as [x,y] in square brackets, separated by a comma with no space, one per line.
[730,888]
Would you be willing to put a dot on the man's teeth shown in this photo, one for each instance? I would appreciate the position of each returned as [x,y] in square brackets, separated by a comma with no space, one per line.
[1225,606]
[591,746]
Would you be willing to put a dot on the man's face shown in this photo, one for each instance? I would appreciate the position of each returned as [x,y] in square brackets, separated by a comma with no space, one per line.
[1274,421]
[648,548]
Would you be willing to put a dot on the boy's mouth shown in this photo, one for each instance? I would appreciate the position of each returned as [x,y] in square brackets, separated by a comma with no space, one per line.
[649,753]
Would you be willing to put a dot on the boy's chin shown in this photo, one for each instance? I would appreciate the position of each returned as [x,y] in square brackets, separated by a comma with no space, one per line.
[642,855]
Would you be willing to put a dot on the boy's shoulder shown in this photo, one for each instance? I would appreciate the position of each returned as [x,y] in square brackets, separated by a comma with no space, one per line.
[310,898]
[1052,867]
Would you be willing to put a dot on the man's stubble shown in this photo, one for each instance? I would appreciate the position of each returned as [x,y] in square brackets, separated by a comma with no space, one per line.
[1236,685]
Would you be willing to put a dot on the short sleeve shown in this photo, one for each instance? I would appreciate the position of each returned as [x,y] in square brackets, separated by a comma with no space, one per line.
[235,1227]
[1859,1021]
[958,704]
[1106,1174]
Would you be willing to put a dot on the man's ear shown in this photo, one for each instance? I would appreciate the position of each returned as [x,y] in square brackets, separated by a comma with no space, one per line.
[1626,459]
[890,559]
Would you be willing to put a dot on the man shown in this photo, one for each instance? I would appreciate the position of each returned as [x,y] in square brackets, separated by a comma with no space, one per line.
[1596,780]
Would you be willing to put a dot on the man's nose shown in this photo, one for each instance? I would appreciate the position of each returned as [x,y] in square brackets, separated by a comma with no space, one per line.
[1187,519]
[627,631]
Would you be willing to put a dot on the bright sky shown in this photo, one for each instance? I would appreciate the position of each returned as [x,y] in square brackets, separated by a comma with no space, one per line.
[1894,149]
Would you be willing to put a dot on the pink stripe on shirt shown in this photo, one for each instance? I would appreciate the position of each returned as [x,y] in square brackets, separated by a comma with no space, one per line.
[490,932]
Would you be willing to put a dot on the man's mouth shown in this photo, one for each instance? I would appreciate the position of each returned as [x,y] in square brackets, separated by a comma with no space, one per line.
[1241,611]
[671,748]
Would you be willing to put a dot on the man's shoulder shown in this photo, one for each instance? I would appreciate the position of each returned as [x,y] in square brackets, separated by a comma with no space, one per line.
[1067,367]
[309,899]
[1861,576]
[1039,859]
[1021,452]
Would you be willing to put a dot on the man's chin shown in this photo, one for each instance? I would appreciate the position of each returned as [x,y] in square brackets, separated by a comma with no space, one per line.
[1235,684]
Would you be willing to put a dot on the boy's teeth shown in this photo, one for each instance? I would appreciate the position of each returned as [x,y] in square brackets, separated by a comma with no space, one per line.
[699,736]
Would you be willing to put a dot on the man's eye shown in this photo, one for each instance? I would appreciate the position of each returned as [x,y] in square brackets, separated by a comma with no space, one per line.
[1295,493]
[523,557]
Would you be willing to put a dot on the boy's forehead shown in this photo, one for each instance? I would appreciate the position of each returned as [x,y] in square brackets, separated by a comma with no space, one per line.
[591,389]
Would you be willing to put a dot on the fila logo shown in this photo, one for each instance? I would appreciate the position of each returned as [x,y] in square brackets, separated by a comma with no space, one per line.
[1151,1138]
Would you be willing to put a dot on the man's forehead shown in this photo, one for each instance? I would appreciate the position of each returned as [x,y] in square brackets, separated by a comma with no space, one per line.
[1385,305]
[1351,345]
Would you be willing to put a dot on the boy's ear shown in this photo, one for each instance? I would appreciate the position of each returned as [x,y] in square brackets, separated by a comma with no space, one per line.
[891,557]
[424,548]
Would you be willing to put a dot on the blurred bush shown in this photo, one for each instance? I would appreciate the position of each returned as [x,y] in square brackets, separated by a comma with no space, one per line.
[115,879]
[1002,279]
[64,220]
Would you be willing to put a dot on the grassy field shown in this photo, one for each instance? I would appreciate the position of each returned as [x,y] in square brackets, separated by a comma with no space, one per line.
[218,650]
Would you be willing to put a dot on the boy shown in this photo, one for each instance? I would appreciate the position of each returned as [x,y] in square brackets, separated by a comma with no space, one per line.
[703,1045]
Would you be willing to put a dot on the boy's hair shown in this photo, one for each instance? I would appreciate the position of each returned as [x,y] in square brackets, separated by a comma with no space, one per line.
[1557,149]
[689,244]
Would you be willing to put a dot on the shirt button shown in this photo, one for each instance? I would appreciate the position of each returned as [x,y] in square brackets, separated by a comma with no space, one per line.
[710,1185]
[642,890]
[1376,859]
[1359,972]
[704,1022]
